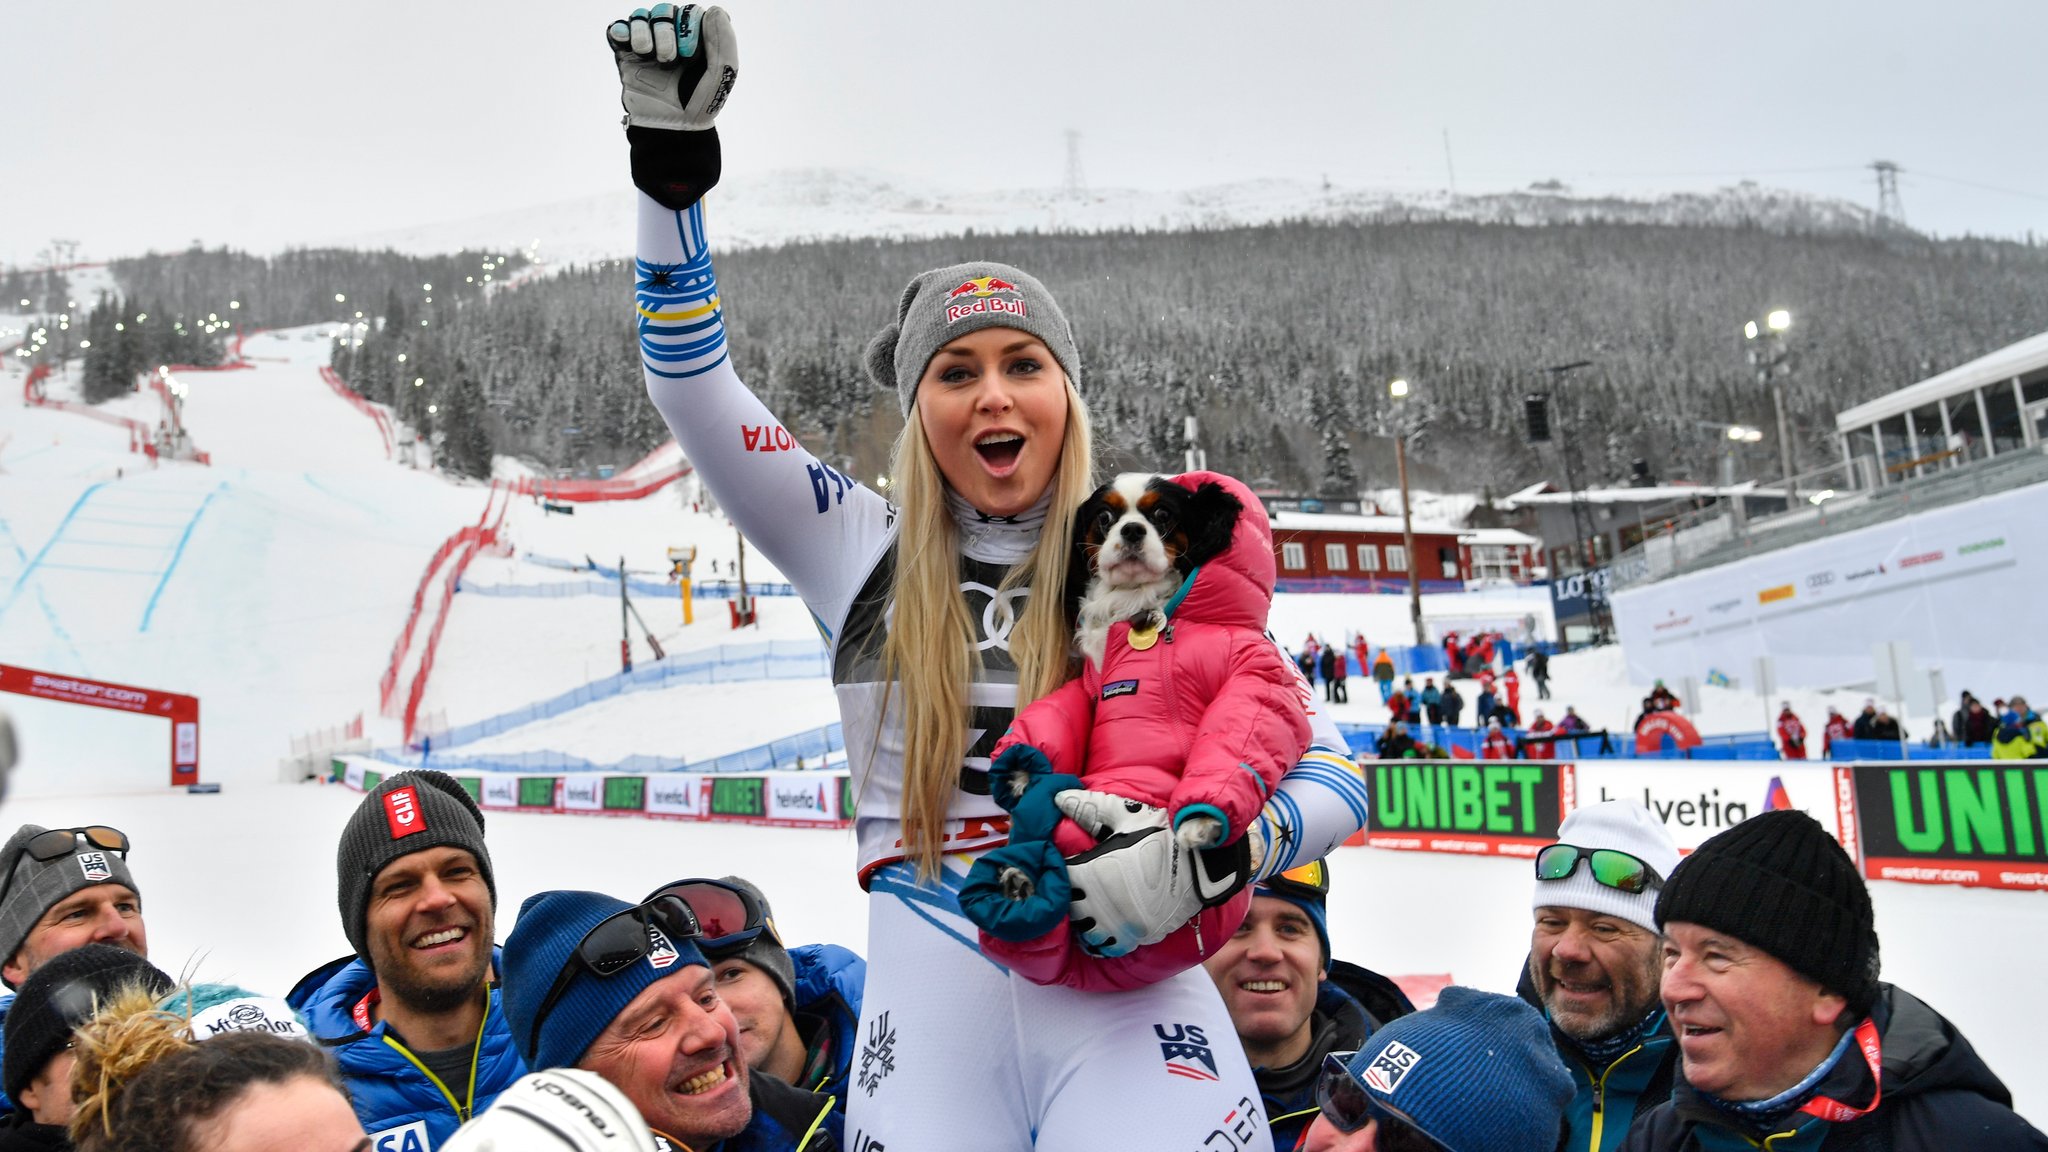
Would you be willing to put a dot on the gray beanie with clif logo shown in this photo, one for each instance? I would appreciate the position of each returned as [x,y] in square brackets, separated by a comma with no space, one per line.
[406,813]
[947,303]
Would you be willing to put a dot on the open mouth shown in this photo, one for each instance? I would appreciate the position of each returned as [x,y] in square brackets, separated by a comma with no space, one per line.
[1578,989]
[1696,1031]
[702,1082]
[999,449]
[1263,985]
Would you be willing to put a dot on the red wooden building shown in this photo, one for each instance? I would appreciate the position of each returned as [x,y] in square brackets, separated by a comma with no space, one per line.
[1338,549]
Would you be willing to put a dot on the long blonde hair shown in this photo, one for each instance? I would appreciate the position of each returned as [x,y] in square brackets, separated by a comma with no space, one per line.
[930,649]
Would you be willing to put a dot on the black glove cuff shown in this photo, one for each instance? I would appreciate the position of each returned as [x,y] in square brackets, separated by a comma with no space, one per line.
[1233,860]
[675,168]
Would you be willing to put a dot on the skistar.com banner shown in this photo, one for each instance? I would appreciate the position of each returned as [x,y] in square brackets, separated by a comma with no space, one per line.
[1982,824]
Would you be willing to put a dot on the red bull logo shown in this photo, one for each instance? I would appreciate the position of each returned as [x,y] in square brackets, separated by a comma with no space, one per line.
[980,298]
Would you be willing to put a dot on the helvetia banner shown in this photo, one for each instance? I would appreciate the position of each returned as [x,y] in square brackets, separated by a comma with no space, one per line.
[1694,799]
[1978,823]
[1494,808]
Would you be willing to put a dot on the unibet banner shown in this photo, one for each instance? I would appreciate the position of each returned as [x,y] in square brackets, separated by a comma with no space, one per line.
[740,796]
[1498,808]
[1978,823]
[625,793]
[1695,799]
[536,791]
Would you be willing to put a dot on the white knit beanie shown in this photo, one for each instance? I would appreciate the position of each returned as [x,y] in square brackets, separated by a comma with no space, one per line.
[1625,826]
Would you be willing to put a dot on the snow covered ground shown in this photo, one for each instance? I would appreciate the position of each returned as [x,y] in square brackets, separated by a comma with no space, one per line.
[272,585]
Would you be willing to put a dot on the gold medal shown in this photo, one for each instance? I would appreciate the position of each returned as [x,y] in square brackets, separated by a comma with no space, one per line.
[1143,638]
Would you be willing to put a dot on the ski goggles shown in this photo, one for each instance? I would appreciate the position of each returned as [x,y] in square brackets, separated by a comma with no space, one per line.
[1610,867]
[730,916]
[1311,880]
[615,944]
[1348,1106]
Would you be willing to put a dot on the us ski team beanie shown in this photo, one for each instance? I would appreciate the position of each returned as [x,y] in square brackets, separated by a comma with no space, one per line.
[543,944]
[1623,826]
[1313,902]
[947,303]
[1779,882]
[1476,1072]
[406,813]
[766,951]
[60,996]
[34,886]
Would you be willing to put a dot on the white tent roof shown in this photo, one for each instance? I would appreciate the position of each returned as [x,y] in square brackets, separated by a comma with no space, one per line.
[2012,360]
[1341,522]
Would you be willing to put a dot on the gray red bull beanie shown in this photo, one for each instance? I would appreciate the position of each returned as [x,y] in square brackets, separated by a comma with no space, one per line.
[947,303]
[406,813]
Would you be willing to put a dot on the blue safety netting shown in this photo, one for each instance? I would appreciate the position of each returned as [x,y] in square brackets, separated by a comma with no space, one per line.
[1844,751]
[1615,746]
[699,589]
[817,748]
[725,664]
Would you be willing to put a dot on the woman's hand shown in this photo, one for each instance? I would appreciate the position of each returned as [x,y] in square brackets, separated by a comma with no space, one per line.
[1138,884]
[676,65]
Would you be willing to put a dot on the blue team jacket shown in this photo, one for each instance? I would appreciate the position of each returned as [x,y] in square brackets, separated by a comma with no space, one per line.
[402,1107]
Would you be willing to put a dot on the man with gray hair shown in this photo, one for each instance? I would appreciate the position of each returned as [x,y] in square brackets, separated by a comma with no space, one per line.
[1595,962]
[64,888]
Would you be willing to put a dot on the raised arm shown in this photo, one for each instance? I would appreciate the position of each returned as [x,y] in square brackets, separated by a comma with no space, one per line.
[820,527]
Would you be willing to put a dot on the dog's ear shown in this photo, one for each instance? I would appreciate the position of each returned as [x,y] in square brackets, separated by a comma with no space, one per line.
[1212,518]
[1080,557]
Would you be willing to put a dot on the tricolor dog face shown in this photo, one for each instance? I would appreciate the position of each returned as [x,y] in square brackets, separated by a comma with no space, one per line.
[1136,539]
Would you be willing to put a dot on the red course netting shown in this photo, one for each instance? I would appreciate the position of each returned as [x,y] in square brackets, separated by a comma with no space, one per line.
[378,414]
[461,548]
[657,470]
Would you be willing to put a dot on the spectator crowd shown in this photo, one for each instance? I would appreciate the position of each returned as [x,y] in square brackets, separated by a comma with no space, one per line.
[1731,999]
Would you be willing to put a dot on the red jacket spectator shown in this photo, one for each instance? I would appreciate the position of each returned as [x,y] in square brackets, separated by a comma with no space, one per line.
[1545,750]
[1497,745]
[1837,729]
[1791,734]
[1397,707]
[1511,687]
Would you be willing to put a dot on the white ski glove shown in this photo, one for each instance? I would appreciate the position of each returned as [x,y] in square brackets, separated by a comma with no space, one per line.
[562,1108]
[1139,884]
[676,65]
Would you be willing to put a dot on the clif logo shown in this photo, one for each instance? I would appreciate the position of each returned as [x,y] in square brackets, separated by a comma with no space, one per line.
[402,812]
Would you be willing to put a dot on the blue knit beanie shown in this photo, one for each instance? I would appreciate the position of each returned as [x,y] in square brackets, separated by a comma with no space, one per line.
[550,926]
[1476,1072]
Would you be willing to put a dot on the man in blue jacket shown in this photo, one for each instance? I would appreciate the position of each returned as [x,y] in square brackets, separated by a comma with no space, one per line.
[1595,957]
[414,1017]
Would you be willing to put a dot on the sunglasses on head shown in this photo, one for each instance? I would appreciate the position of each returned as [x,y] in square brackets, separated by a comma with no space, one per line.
[615,944]
[56,843]
[1615,869]
[1310,879]
[1348,1106]
[729,916]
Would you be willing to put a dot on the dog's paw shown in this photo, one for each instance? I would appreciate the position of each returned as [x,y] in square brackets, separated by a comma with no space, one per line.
[1017,884]
[1199,832]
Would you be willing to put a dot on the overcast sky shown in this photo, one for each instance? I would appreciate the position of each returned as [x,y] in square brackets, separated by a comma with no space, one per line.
[266,124]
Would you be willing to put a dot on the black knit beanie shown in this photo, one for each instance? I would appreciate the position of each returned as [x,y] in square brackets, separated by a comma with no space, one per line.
[61,995]
[766,952]
[406,813]
[1779,882]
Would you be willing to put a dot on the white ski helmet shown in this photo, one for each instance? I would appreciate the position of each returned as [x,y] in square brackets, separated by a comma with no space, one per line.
[561,1108]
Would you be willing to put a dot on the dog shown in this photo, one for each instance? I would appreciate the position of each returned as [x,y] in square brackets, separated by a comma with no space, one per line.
[1136,540]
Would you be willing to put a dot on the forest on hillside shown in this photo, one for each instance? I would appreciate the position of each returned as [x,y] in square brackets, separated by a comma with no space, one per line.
[1280,338]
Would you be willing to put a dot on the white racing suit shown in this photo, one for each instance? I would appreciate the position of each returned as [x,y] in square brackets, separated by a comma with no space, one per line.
[955,1052]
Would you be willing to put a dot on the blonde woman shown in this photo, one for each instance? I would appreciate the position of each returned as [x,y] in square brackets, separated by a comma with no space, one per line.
[937,637]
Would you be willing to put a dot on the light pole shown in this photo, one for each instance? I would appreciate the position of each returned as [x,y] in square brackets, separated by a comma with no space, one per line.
[1398,389]
[1737,434]
[1772,366]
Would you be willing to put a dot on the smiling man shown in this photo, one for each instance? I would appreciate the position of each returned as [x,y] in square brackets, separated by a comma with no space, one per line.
[64,888]
[1788,1038]
[1290,1003]
[622,990]
[1594,962]
[413,1016]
